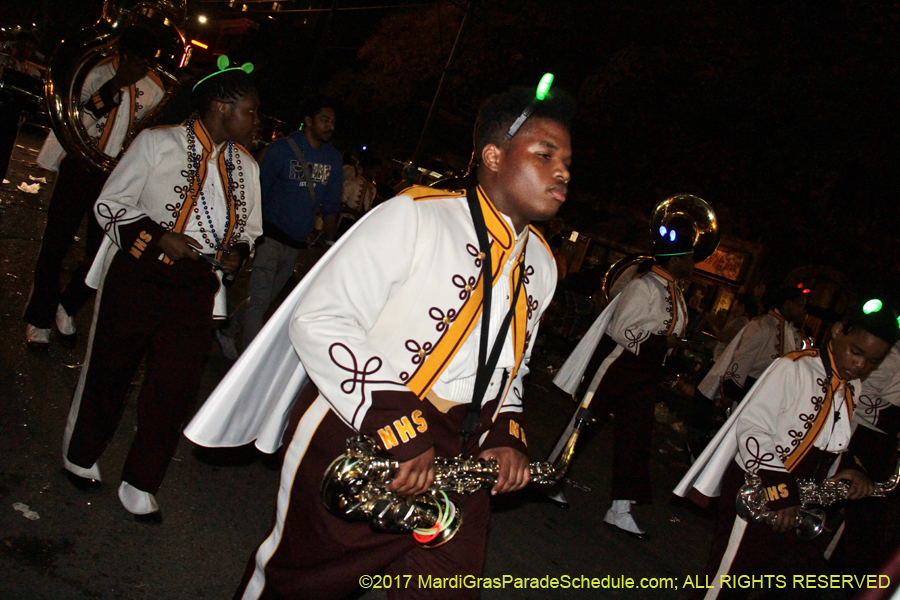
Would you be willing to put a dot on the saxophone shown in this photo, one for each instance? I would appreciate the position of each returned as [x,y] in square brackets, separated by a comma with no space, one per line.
[750,503]
[355,488]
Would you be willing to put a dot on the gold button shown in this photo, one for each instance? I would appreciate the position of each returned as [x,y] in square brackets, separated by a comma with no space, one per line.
[445,320]
[480,256]
[421,352]
[468,288]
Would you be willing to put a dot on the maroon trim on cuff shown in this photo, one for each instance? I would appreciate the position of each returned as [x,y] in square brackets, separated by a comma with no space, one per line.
[398,422]
[780,489]
[507,431]
[140,239]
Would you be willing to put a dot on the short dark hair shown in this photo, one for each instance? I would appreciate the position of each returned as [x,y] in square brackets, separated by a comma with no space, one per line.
[225,87]
[881,323]
[313,105]
[499,112]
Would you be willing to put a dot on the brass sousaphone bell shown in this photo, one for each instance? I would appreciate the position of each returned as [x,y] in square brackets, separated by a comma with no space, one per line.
[77,55]
[677,208]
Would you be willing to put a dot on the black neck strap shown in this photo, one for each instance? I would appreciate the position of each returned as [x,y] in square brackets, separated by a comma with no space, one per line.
[486,364]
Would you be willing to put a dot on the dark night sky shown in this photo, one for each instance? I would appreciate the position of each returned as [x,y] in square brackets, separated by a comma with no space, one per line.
[782,116]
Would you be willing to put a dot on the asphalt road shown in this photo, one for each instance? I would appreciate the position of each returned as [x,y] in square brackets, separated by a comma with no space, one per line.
[72,545]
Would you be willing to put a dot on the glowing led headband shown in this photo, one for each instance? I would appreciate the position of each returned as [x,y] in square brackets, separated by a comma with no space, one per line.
[222,62]
[873,306]
[543,89]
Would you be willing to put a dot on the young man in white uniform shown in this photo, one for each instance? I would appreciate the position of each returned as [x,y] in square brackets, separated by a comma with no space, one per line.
[182,197]
[794,424]
[390,339]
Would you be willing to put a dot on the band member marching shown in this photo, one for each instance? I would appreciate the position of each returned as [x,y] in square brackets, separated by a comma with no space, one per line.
[619,361]
[179,210]
[388,328]
[795,423]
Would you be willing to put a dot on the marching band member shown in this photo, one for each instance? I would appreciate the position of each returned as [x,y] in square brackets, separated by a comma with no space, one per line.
[180,194]
[751,351]
[393,344]
[117,94]
[793,424]
[627,346]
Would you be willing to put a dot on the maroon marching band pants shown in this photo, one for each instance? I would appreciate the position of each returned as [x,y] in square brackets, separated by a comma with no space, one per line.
[628,389]
[164,313]
[322,556]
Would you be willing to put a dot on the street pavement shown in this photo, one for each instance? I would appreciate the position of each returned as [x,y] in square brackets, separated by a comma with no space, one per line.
[57,542]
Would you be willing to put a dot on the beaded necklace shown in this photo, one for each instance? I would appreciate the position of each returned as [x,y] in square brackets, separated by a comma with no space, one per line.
[217,243]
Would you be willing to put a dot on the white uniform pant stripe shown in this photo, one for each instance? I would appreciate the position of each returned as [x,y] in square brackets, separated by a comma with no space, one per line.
[734,542]
[307,427]
[94,471]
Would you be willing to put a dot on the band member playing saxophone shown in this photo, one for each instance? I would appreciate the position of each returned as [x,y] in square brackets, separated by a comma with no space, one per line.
[393,341]
[795,423]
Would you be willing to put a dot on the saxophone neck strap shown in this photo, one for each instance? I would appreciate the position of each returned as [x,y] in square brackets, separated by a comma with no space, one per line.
[486,363]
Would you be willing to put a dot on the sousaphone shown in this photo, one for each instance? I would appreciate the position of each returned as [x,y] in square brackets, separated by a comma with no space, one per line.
[705,231]
[76,56]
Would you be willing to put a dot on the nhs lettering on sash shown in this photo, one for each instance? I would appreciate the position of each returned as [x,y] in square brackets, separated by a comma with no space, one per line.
[319,173]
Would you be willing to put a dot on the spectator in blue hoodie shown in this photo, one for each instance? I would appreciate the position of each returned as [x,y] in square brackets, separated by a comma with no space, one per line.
[289,213]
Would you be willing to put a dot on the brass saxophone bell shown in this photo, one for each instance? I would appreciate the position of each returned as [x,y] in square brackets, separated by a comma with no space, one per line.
[810,523]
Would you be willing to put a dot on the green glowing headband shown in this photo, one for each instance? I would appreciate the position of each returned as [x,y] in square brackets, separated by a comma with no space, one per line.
[873,306]
[543,89]
[222,62]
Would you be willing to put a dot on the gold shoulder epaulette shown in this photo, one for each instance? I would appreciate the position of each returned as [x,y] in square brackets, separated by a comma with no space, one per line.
[155,127]
[421,192]
[534,231]
[798,354]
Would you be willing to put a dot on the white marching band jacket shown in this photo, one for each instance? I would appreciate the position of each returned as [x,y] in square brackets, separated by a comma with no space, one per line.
[750,353]
[651,304]
[108,119]
[797,404]
[149,193]
[386,315]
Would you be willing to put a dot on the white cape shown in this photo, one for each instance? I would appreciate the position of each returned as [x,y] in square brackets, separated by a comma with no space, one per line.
[570,374]
[711,386]
[254,399]
[705,475]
